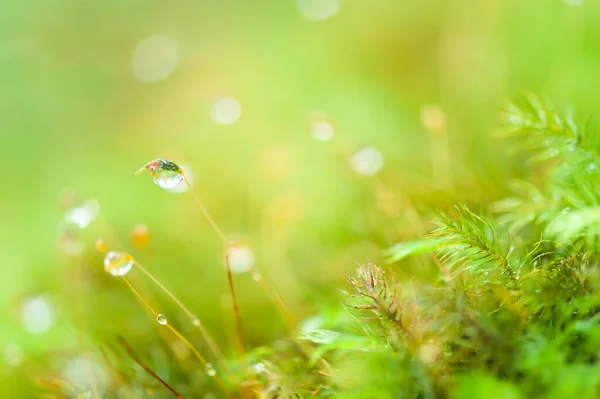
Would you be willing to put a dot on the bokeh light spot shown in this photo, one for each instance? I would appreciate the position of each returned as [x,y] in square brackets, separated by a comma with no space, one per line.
[367,161]
[319,10]
[322,130]
[37,315]
[155,58]
[241,259]
[226,111]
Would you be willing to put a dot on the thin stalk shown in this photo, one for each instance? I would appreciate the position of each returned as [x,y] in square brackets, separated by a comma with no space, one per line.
[195,320]
[205,212]
[236,310]
[275,298]
[178,335]
[139,361]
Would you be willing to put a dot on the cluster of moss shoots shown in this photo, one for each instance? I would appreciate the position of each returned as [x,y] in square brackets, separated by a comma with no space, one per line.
[513,312]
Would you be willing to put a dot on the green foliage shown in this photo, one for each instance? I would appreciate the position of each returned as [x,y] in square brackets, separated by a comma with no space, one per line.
[515,313]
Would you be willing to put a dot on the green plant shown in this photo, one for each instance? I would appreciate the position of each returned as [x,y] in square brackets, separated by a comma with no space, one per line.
[514,312]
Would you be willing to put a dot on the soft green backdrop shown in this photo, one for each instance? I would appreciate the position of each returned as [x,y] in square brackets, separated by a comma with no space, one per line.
[74,116]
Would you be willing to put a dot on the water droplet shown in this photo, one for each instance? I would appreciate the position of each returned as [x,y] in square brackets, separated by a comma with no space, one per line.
[210,370]
[167,178]
[118,263]
[241,259]
[195,321]
[226,111]
[319,10]
[189,179]
[367,161]
[37,315]
[161,319]
[100,245]
[140,235]
[154,59]
[256,276]
[166,174]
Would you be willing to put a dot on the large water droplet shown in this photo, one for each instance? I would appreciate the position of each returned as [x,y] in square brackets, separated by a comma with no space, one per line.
[118,263]
[241,259]
[167,178]
[166,174]
[161,319]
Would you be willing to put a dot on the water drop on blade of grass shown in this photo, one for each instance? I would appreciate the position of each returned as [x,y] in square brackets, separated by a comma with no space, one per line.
[167,178]
[118,263]
[195,321]
[166,174]
[161,319]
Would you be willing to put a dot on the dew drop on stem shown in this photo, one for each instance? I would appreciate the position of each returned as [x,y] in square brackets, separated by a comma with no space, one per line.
[166,174]
[118,263]
[161,319]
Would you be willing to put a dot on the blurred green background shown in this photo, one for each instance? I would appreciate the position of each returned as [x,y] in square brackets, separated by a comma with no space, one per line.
[91,91]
